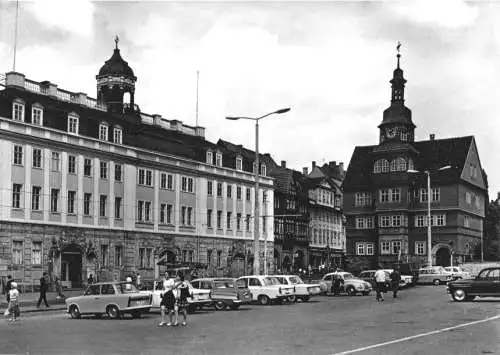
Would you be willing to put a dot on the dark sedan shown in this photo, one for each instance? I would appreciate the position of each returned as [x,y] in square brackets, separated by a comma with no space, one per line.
[485,284]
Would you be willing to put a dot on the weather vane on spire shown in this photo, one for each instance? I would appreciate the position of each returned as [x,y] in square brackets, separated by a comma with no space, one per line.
[117,39]
[398,47]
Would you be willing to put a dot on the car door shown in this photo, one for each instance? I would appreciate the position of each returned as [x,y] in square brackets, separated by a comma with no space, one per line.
[254,285]
[108,296]
[91,300]
[494,277]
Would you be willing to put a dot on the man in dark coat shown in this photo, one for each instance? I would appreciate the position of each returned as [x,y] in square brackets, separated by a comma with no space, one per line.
[8,286]
[44,286]
[395,279]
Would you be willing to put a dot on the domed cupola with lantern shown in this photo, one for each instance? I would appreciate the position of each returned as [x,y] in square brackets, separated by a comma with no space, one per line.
[114,81]
[397,125]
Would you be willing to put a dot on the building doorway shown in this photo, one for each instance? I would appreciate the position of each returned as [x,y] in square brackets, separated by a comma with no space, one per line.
[238,265]
[71,266]
[443,257]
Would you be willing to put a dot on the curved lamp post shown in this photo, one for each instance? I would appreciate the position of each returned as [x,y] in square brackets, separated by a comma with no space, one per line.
[429,235]
[256,263]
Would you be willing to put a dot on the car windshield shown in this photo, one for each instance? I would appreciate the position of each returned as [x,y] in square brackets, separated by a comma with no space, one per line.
[126,288]
[268,281]
[295,280]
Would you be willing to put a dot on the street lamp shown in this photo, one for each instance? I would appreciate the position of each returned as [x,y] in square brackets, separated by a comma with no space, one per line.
[256,263]
[429,192]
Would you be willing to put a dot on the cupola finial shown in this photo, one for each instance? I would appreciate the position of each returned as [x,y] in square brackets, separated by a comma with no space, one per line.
[398,48]
[117,39]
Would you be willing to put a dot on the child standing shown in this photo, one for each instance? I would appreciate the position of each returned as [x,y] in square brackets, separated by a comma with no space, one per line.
[13,302]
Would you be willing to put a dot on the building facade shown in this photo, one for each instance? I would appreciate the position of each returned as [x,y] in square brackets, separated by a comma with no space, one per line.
[386,194]
[98,187]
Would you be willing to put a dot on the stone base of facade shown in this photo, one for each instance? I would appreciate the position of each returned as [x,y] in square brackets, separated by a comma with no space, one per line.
[73,254]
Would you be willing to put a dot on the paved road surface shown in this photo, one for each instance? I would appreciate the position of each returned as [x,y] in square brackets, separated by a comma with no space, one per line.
[326,325]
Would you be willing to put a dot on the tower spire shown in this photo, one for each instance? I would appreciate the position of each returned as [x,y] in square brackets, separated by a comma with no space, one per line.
[117,39]
[398,47]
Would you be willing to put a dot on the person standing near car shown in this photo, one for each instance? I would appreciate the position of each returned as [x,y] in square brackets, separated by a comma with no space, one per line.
[44,286]
[183,292]
[168,301]
[395,279]
[380,280]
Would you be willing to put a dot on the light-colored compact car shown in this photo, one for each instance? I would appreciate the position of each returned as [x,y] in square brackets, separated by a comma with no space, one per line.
[352,285]
[303,291]
[458,273]
[111,298]
[199,298]
[436,275]
[226,292]
[266,289]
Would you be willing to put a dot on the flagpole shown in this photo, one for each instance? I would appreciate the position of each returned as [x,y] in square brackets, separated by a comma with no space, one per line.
[197,85]
[15,36]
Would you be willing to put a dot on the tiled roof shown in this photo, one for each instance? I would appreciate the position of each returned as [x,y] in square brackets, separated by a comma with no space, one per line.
[433,154]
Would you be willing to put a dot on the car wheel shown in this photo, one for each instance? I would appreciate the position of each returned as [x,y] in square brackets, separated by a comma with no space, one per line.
[136,314]
[351,291]
[436,282]
[292,299]
[113,312]
[220,306]
[264,300]
[305,299]
[74,312]
[459,295]
[235,307]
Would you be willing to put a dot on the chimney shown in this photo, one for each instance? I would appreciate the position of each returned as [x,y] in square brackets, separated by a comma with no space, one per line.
[313,164]
[341,166]
[432,136]
[305,171]
[333,163]
[283,163]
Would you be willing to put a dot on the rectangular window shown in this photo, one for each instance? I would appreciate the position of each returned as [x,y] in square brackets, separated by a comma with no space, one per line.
[210,158]
[163,210]
[147,211]
[118,207]
[103,169]
[248,194]
[142,258]
[385,221]
[17,252]
[37,158]
[117,135]
[71,164]
[396,220]
[104,255]
[87,167]
[191,254]
[370,249]
[263,170]
[396,246]
[72,124]
[238,193]
[54,200]
[209,218]
[190,216]
[18,155]
[218,159]
[219,257]
[384,195]
[169,214]
[71,202]
[369,223]
[420,248]
[18,111]
[238,222]
[229,189]
[468,197]
[190,185]
[209,257]
[424,196]
[183,215]
[149,178]
[210,188]
[360,223]
[36,253]
[142,176]
[118,172]
[36,192]
[228,220]
[248,222]
[436,194]
[103,205]
[467,221]
[385,248]
[219,219]
[103,132]
[360,248]
[440,220]
[87,203]
[396,195]
[140,210]
[170,182]
[118,255]
[420,221]
[184,184]
[219,189]
[163,181]
[239,164]
[37,116]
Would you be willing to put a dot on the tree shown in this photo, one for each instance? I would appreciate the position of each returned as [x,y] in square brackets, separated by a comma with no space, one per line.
[491,232]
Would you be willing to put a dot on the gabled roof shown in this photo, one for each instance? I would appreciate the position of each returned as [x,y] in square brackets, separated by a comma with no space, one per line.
[433,154]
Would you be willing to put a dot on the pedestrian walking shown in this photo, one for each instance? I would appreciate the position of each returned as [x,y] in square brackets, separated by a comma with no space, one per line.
[13,302]
[183,293]
[380,280]
[168,302]
[395,279]
[44,286]
[8,286]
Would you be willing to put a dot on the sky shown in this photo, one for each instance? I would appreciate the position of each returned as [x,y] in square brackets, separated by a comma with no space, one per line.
[329,61]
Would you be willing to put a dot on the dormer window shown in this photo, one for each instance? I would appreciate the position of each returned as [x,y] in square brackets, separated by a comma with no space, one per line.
[103,131]
[210,157]
[218,159]
[73,123]
[117,135]
[263,169]
[18,110]
[239,163]
[37,114]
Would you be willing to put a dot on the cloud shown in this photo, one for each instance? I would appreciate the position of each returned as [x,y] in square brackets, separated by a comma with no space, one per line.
[74,16]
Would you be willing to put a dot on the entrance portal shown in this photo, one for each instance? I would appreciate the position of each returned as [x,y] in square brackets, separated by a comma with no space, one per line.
[443,257]
[71,266]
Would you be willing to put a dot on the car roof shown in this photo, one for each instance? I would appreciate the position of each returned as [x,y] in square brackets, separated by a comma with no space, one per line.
[109,283]
[214,279]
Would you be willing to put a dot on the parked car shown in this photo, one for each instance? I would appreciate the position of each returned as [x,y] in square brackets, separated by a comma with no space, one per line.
[352,285]
[266,289]
[303,291]
[408,270]
[226,292]
[458,273]
[486,284]
[199,298]
[111,298]
[369,276]
[433,275]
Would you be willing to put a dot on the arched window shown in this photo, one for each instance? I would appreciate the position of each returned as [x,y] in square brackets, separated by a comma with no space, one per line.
[377,168]
[393,164]
[400,164]
[384,166]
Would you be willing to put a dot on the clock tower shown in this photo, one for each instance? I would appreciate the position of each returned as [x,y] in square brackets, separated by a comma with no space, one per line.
[397,125]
